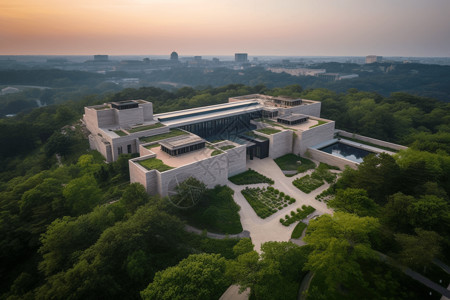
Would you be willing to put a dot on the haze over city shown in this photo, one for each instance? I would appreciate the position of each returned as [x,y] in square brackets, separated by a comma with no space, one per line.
[291,27]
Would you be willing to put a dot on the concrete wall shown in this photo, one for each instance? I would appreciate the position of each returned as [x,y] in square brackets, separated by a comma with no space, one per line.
[211,171]
[331,159]
[312,136]
[371,140]
[312,109]
[237,160]
[148,111]
[279,143]
[129,117]
[148,178]
[101,145]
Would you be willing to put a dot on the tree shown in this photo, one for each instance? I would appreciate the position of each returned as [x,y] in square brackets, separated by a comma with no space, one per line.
[418,250]
[429,212]
[354,201]
[134,196]
[395,213]
[338,243]
[82,194]
[189,193]
[200,276]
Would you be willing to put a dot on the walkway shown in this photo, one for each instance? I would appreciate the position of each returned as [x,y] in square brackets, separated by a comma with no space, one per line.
[217,236]
[270,229]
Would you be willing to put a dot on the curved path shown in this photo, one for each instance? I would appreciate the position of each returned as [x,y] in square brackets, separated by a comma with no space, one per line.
[217,236]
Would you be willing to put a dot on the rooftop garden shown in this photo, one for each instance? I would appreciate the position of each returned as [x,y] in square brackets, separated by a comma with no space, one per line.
[273,123]
[162,136]
[228,147]
[268,130]
[102,107]
[146,127]
[120,133]
[216,152]
[154,164]
[152,146]
[320,122]
[250,177]
[255,136]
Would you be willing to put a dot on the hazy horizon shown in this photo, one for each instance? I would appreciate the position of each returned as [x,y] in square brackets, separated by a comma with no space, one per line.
[327,28]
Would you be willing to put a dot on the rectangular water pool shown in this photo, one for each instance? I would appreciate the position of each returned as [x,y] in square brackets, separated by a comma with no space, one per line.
[346,151]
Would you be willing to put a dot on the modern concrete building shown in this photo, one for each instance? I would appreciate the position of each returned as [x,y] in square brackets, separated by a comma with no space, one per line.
[241,57]
[370,59]
[209,143]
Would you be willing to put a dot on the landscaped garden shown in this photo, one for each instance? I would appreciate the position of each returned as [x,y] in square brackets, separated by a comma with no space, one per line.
[120,132]
[309,183]
[154,164]
[297,215]
[146,127]
[266,202]
[250,177]
[268,130]
[294,163]
[227,147]
[152,146]
[216,212]
[255,136]
[298,230]
[162,136]
[320,122]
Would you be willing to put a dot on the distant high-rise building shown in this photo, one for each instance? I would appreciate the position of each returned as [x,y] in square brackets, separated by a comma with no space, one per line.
[370,59]
[173,56]
[101,57]
[197,58]
[240,57]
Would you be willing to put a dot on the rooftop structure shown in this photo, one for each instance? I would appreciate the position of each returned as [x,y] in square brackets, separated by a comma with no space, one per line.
[292,119]
[182,144]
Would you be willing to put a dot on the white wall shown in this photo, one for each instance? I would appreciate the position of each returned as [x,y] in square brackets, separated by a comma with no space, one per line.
[313,136]
[331,159]
[371,140]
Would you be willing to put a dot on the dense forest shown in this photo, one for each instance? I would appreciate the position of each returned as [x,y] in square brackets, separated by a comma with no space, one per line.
[72,227]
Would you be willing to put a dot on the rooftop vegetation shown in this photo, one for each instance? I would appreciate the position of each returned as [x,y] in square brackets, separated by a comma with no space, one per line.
[254,135]
[268,130]
[320,122]
[154,164]
[227,147]
[120,133]
[146,127]
[152,146]
[162,136]
[292,162]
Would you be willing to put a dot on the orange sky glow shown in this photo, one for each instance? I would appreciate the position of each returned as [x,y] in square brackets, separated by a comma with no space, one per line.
[202,27]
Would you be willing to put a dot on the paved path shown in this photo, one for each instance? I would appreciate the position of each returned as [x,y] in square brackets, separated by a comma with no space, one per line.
[270,229]
[304,285]
[232,293]
[217,236]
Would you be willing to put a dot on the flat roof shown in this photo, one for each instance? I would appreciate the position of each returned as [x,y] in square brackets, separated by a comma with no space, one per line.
[181,141]
[293,117]
[185,117]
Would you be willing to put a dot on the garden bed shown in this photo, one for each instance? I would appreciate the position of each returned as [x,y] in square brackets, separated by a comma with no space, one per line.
[297,215]
[298,230]
[268,130]
[309,183]
[154,164]
[290,162]
[250,177]
[266,202]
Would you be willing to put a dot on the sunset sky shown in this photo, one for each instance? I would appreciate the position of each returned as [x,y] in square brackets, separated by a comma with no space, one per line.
[223,27]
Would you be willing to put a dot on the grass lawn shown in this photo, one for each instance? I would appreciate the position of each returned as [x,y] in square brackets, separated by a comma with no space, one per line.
[216,152]
[250,177]
[227,147]
[152,146]
[154,164]
[318,124]
[162,136]
[289,162]
[273,123]
[266,202]
[146,127]
[298,230]
[120,132]
[268,130]
[216,212]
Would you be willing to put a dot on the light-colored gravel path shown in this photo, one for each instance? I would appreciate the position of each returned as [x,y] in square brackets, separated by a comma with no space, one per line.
[270,229]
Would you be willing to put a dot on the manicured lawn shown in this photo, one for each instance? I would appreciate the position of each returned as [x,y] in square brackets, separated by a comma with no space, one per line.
[318,124]
[268,130]
[152,146]
[216,152]
[308,183]
[289,162]
[250,177]
[146,127]
[297,215]
[266,202]
[298,230]
[216,212]
[162,136]
[154,164]
[227,147]
[120,133]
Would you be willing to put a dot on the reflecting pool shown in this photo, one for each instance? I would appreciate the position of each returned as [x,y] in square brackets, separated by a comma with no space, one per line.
[346,151]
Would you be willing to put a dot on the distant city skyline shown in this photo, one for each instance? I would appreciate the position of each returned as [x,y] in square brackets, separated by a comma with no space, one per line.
[203,27]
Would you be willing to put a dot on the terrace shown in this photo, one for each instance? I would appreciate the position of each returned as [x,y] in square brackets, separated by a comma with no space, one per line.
[182,159]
